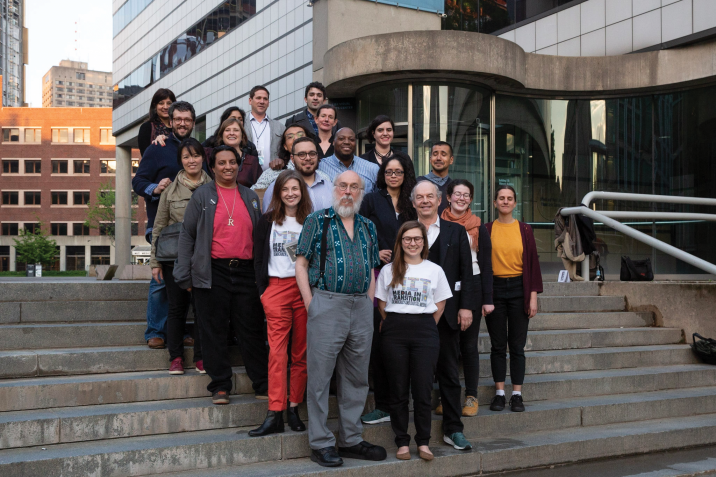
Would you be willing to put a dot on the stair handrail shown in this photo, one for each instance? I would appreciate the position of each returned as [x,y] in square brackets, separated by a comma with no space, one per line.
[607,218]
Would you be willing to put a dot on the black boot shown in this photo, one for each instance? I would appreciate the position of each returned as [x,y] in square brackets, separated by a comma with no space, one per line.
[294,421]
[272,424]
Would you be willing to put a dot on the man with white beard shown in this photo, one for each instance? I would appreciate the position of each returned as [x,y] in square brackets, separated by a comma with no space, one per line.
[336,254]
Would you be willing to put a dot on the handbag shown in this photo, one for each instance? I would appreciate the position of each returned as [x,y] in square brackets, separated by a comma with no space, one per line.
[168,243]
[636,270]
[704,348]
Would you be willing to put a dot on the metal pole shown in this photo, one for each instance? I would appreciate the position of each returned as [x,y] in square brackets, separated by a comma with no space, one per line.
[122,206]
[594,195]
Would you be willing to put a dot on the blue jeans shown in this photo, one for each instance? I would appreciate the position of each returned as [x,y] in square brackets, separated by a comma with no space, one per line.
[157,311]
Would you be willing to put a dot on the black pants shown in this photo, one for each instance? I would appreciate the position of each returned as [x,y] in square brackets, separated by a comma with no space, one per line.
[448,373]
[179,303]
[468,345]
[508,326]
[381,385]
[233,298]
[410,346]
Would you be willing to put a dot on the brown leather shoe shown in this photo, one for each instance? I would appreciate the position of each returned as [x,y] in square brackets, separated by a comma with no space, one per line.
[188,341]
[155,343]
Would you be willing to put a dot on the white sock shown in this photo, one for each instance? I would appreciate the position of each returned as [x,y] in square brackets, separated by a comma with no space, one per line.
[517,393]
[500,392]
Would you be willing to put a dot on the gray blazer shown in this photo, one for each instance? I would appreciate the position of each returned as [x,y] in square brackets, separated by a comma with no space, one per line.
[277,129]
[193,265]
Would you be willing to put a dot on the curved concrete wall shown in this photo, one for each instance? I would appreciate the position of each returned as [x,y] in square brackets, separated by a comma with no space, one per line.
[503,65]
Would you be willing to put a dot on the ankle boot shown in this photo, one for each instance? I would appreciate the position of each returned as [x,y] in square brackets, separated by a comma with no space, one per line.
[272,424]
[294,421]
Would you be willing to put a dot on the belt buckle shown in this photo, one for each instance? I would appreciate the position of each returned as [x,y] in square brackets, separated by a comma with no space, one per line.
[233,263]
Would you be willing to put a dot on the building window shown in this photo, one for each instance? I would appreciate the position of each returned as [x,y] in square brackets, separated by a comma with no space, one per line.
[99,255]
[31,227]
[59,197]
[60,134]
[33,167]
[107,167]
[135,166]
[11,135]
[58,229]
[82,136]
[4,258]
[10,166]
[135,228]
[80,197]
[9,229]
[74,257]
[105,136]
[59,82]
[70,103]
[59,167]
[33,197]
[10,197]
[79,76]
[59,95]
[33,136]
[106,228]
[80,229]
[81,166]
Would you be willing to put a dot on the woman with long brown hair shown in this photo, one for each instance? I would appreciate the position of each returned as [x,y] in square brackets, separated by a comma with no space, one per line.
[231,133]
[275,240]
[411,295]
[159,122]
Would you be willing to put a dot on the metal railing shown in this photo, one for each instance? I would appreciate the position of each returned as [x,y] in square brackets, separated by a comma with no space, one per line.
[607,218]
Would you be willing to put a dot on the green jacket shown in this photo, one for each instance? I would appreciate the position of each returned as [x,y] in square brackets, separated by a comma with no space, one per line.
[172,206]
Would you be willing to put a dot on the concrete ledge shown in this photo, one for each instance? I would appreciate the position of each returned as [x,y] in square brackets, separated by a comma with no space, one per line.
[69,290]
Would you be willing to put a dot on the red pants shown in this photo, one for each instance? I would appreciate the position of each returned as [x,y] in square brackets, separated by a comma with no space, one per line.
[285,312]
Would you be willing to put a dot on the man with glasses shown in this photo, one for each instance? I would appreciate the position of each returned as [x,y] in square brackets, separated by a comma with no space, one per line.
[336,255]
[344,159]
[441,158]
[157,169]
[449,249]
[304,158]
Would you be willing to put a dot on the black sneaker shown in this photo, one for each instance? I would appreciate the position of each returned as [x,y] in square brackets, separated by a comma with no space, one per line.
[363,451]
[498,403]
[516,403]
[220,397]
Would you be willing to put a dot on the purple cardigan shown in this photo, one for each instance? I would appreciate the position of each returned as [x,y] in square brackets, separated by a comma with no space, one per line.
[531,273]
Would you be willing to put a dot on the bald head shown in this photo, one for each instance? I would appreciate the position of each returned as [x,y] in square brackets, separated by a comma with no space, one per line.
[348,191]
[344,145]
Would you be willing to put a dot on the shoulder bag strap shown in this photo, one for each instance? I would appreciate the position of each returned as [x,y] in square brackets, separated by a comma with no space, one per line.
[324,252]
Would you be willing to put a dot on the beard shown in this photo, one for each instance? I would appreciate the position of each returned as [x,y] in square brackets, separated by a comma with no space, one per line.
[348,210]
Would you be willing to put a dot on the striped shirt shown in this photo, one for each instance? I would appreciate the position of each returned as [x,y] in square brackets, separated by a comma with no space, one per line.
[367,170]
[349,263]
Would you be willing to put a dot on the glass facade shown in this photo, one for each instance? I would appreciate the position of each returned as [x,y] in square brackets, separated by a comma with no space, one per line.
[553,152]
[126,13]
[488,16]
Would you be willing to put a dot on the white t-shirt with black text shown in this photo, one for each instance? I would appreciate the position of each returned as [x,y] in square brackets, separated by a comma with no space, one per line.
[424,285]
[280,263]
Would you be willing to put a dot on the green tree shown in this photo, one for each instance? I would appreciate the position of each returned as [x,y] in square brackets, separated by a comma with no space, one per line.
[36,247]
[100,214]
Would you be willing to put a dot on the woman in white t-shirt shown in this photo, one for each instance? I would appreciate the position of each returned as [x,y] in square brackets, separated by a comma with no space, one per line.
[275,239]
[411,295]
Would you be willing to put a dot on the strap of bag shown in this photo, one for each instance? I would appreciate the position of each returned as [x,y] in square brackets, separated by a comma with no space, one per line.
[324,252]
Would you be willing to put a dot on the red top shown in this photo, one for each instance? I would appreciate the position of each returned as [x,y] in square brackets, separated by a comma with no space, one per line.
[232,241]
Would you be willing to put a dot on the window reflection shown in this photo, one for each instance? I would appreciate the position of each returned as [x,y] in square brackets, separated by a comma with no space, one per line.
[488,16]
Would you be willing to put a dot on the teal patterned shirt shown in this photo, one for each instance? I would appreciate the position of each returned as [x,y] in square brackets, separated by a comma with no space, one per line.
[349,263]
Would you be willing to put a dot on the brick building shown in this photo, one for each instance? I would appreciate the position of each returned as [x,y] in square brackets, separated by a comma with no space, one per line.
[53,163]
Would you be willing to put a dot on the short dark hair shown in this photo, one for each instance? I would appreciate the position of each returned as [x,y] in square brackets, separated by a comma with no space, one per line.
[327,106]
[441,143]
[374,125]
[160,95]
[182,106]
[216,150]
[316,85]
[257,88]
[282,152]
[304,139]
[460,182]
[503,187]
[194,146]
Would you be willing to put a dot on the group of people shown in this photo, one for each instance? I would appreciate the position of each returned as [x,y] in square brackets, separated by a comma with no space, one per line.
[349,267]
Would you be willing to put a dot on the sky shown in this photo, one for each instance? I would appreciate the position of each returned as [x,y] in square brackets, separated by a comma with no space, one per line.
[51,25]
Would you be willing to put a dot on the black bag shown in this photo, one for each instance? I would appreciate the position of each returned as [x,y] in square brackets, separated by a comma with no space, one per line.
[704,348]
[636,270]
[168,243]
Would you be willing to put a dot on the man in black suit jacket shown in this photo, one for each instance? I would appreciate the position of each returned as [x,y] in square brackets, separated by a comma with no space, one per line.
[450,249]
[315,96]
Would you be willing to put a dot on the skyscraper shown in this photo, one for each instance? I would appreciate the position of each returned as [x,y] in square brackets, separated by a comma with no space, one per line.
[73,85]
[13,51]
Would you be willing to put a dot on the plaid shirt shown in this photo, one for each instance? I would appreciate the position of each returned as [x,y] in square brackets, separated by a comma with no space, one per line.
[349,263]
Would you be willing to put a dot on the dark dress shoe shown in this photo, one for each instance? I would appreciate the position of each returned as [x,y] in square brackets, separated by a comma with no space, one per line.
[326,457]
[294,421]
[364,451]
[272,424]
[188,341]
[155,343]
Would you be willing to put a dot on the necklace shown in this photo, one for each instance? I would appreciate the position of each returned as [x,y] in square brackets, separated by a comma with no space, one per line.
[231,220]
[382,157]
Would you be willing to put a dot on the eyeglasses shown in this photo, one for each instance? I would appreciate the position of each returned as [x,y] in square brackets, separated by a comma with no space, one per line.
[303,155]
[182,121]
[389,173]
[343,187]
[458,195]
[295,135]
[409,240]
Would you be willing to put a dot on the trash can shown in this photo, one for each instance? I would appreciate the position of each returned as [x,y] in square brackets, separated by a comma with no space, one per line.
[38,270]
[30,270]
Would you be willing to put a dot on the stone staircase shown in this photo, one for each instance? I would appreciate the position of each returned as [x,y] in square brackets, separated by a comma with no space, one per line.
[83,396]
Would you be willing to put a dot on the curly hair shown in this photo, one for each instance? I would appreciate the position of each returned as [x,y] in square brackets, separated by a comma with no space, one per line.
[405,205]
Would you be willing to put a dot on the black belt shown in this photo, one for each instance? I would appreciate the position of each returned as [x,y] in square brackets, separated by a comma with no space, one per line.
[234,262]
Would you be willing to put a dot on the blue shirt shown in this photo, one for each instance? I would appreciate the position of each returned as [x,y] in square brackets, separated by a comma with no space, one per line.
[349,263]
[368,171]
[321,192]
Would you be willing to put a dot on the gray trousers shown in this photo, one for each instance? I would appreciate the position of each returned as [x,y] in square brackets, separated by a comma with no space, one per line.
[339,335]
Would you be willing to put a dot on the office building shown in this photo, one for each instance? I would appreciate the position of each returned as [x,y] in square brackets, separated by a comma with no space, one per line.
[73,85]
[554,97]
[13,51]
